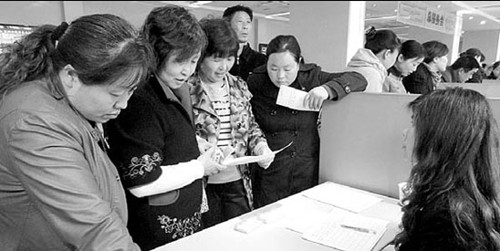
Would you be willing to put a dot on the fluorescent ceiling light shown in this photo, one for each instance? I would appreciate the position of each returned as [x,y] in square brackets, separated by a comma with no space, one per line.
[197,4]
[279,14]
[470,9]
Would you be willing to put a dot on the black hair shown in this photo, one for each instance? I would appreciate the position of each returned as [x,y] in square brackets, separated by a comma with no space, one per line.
[379,40]
[172,28]
[101,48]
[412,49]
[283,43]
[229,12]
[474,52]
[434,49]
[466,62]
[222,39]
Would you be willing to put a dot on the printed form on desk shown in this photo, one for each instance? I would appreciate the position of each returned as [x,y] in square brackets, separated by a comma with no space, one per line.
[347,231]
[342,197]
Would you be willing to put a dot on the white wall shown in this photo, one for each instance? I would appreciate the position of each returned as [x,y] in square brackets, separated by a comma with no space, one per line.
[484,40]
[32,13]
[424,35]
[35,13]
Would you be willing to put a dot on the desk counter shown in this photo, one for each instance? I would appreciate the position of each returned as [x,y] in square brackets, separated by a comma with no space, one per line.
[276,234]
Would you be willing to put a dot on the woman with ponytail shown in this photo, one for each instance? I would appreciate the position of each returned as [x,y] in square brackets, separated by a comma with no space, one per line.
[380,52]
[58,188]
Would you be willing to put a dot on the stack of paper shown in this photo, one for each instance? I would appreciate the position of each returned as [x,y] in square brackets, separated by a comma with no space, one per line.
[341,196]
[347,232]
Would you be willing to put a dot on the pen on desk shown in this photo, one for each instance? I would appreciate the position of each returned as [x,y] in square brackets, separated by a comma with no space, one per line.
[359,229]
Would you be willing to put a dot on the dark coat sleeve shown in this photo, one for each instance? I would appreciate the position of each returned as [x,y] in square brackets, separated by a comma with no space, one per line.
[339,85]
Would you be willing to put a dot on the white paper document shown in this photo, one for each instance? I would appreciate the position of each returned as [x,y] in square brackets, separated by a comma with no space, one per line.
[251,159]
[293,98]
[348,232]
[340,196]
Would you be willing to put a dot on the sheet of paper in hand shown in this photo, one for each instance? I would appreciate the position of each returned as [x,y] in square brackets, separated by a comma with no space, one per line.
[250,159]
[293,98]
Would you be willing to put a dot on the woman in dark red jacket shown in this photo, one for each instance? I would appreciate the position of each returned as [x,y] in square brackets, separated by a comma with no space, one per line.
[297,167]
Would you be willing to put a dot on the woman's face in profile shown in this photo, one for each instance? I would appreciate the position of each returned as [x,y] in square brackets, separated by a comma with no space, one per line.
[282,68]
[102,102]
[406,67]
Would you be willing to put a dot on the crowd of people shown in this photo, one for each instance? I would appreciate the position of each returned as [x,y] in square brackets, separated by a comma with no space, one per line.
[114,138]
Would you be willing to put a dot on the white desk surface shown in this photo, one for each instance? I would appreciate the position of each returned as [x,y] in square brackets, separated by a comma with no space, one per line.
[276,236]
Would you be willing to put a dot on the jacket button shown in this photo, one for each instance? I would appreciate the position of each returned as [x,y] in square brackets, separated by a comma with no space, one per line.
[347,89]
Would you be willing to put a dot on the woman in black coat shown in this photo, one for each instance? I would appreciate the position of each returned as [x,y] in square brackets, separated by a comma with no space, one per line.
[297,167]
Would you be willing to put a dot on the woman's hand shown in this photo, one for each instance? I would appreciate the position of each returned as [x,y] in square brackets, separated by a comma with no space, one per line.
[314,99]
[211,161]
[263,149]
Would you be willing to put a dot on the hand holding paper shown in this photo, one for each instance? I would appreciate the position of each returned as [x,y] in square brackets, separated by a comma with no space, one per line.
[251,159]
[262,149]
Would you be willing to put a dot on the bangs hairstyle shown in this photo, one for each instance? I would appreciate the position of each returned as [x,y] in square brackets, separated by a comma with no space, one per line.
[173,29]
[222,39]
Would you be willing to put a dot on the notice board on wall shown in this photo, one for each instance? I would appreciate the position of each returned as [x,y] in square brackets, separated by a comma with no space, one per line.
[9,33]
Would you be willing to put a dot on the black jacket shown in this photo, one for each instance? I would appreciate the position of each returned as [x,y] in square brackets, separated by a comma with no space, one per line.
[420,81]
[248,61]
[295,168]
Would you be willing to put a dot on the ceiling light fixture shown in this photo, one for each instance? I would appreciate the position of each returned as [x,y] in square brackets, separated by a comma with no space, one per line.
[473,10]
[482,22]
[197,4]
[471,17]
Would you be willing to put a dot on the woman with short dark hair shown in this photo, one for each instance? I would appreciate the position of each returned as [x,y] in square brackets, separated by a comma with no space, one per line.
[223,117]
[153,143]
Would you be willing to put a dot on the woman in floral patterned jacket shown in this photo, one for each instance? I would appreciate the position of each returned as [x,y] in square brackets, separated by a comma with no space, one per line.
[223,117]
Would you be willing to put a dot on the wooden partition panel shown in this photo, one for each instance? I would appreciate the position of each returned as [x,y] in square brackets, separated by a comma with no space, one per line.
[362,141]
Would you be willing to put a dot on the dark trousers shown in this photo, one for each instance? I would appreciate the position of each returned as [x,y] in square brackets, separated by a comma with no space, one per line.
[225,201]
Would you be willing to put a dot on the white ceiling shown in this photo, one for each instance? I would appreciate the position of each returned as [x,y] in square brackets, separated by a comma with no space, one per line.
[474,11]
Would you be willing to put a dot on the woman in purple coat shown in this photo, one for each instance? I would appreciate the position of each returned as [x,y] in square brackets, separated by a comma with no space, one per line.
[295,168]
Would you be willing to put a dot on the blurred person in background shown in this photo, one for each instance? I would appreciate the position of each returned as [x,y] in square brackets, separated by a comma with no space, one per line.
[410,56]
[240,17]
[428,74]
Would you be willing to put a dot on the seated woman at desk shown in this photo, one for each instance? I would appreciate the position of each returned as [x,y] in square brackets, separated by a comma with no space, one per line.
[428,73]
[410,56]
[461,70]
[454,201]
[380,52]
[296,168]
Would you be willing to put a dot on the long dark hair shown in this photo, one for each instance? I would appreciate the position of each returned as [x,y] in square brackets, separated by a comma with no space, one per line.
[457,170]
[101,48]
